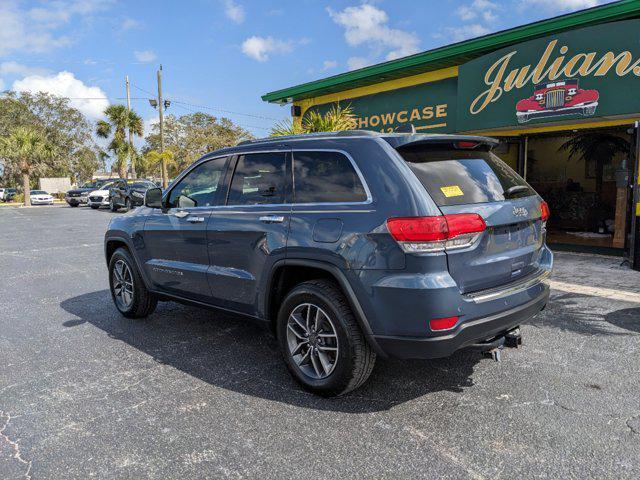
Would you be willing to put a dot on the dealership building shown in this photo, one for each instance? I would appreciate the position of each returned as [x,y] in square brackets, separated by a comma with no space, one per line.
[562,95]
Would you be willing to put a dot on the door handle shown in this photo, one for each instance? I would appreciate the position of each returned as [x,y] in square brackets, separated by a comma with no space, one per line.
[195,219]
[180,214]
[272,219]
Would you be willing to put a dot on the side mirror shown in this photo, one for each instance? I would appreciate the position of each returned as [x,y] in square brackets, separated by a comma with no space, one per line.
[153,198]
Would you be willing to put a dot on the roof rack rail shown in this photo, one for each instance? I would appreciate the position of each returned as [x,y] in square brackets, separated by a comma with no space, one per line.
[344,133]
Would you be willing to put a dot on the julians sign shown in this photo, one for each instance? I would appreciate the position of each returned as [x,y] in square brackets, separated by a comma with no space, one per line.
[594,71]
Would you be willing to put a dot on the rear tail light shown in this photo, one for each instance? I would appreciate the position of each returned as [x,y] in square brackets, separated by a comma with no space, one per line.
[544,210]
[443,323]
[435,234]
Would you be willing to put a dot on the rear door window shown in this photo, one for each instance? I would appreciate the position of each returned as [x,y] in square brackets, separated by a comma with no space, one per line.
[458,177]
[325,177]
[259,179]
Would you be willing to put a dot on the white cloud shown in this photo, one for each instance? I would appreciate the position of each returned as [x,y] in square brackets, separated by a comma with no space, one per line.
[36,30]
[329,64]
[555,6]
[457,34]
[234,11]
[482,9]
[354,63]
[129,24]
[15,68]
[367,25]
[259,48]
[145,56]
[89,100]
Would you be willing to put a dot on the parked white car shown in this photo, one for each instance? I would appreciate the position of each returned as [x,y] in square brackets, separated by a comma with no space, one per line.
[99,198]
[40,197]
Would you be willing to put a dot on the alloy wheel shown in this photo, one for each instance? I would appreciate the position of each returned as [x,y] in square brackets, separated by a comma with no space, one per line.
[123,284]
[312,341]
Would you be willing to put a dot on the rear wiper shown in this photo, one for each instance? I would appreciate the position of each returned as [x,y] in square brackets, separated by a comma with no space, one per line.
[515,189]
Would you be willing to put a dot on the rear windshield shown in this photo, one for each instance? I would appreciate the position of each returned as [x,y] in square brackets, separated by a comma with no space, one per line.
[457,177]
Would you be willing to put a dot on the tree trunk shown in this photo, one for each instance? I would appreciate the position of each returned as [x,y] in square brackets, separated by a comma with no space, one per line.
[26,189]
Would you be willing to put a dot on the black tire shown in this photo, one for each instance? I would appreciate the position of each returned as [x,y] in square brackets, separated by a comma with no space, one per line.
[144,302]
[73,205]
[127,204]
[112,206]
[355,358]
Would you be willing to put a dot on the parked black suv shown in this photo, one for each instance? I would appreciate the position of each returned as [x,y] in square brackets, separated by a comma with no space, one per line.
[128,193]
[78,196]
[349,245]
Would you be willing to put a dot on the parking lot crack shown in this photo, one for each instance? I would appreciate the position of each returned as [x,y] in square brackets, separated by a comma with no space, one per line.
[633,423]
[14,445]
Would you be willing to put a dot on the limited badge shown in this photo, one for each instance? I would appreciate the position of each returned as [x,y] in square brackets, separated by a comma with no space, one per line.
[452,191]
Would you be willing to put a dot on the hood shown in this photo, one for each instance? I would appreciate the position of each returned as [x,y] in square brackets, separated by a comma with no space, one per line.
[100,191]
[79,190]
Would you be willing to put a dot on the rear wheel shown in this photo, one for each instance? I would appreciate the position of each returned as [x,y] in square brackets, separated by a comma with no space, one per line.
[128,291]
[127,204]
[320,339]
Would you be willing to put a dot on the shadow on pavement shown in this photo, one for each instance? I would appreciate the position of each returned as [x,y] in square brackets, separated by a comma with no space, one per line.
[627,318]
[567,311]
[237,354]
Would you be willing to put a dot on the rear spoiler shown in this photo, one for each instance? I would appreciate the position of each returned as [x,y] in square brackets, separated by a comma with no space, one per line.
[401,141]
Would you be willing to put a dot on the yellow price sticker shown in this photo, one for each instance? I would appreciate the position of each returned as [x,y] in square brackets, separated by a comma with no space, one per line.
[452,191]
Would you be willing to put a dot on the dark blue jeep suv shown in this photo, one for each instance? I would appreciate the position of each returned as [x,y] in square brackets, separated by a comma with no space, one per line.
[349,245]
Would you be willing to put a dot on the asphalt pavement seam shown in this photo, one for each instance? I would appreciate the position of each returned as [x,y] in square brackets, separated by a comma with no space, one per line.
[14,445]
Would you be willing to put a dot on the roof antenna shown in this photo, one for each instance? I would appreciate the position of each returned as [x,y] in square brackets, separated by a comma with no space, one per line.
[407,128]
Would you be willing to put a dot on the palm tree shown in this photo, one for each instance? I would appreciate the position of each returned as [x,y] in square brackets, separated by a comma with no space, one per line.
[28,149]
[596,147]
[119,120]
[335,120]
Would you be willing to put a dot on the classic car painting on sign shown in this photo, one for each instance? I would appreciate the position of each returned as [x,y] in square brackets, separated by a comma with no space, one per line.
[557,98]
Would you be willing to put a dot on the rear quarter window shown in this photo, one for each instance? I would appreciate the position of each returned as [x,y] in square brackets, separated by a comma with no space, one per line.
[325,177]
[458,177]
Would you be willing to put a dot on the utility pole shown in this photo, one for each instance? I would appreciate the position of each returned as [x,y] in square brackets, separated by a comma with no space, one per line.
[132,168]
[165,182]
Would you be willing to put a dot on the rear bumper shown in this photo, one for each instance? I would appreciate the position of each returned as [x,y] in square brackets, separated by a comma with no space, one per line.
[464,334]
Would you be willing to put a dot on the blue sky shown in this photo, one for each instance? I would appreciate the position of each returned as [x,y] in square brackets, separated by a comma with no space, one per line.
[224,54]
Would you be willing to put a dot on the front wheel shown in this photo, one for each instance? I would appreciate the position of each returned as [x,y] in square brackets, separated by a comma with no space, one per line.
[127,204]
[128,290]
[321,341]
[112,206]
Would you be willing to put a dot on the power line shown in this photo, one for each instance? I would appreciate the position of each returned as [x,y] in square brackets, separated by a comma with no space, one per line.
[217,109]
[239,124]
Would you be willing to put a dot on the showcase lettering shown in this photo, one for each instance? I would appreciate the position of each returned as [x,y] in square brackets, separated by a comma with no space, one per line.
[499,78]
[402,116]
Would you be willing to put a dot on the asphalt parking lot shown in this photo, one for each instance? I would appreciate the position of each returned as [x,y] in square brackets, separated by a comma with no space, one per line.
[190,393]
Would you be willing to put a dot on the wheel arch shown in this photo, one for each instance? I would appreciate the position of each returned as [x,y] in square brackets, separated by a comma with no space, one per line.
[111,244]
[303,269]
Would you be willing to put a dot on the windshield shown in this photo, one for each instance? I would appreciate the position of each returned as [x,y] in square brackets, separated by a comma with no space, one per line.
[457,177]
[143,185]
[38,192]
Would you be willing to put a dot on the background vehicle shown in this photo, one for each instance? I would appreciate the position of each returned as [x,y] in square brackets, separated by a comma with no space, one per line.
[128,193]
[40,197]
[9,193]
[349,245]
[79,196]
[100,198]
